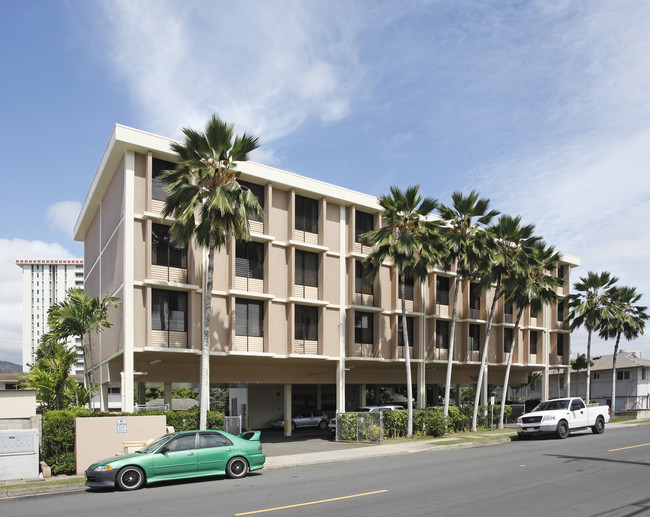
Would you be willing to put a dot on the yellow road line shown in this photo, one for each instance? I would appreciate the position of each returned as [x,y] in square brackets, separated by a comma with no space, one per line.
[630,447]
[310,503]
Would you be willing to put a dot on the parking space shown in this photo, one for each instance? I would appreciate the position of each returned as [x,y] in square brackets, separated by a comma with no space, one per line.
[302,441]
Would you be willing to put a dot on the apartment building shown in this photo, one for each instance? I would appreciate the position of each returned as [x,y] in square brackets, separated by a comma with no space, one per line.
[295,321]
[45,282]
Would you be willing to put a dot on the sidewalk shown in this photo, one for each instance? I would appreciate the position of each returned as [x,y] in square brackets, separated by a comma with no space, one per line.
[348,452]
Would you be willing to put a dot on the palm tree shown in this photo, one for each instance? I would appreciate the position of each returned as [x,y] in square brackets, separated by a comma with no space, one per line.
[208,204]
[588,307]
[412,244]
[532,285]
[625,319]
[81,316]
[512,243]
[466,218]
[580,363]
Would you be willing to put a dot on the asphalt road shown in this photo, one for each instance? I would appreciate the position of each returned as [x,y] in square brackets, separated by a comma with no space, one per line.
[584,475]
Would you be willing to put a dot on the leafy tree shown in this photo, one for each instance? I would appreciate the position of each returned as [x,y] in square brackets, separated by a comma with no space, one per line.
[81,316]
[580,363]
[412,243]
[512,246]
[625,319]
[466,218]
[531,285]
[588,307]
[50,376]
[208,204]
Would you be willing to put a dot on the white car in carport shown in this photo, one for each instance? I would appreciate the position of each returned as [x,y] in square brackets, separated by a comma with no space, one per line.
[306,418]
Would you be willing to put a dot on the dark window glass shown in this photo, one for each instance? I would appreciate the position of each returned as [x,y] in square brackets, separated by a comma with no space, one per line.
[163,252]
[474,297]
[249,260]
[361,283]
[560,310]
[207,440]
[363,327]
[408,288]
[508,309]
[474,337]
[184,442]
[169,310]
[442,334]
[409,330]
[363,223]
[533,311]
[306,214]
[507,339]
[623,375]
[306,268]
[258,192]
[560,344]
[249,318]
[306,323]
[533,341]
[560,272]
[158,187]
[442,290]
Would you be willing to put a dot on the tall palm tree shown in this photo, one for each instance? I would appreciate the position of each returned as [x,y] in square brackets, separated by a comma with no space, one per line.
[589,307]
[511,243]
[466,219]
[625,319]
[208,204]
[81,316]
[532,285]
[580,363]
[412,243]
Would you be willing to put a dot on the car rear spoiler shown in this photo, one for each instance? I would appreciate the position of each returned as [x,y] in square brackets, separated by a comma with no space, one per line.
[253,436]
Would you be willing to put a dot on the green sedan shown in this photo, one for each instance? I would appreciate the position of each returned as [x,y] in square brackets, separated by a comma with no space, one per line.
[181,455]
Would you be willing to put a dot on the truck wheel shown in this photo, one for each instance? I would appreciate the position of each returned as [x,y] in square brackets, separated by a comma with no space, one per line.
[562,429]
[599,427]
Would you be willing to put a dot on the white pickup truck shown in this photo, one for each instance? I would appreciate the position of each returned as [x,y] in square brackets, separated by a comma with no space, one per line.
[562,416]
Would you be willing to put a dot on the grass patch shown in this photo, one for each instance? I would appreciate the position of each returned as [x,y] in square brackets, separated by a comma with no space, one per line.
[67,481]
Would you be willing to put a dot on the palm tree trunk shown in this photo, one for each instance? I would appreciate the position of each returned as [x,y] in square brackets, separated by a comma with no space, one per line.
[204,400]
[450,349]
[588,391]
[88,365]
[613,406]
[407,357]
[507,376]
[477,396]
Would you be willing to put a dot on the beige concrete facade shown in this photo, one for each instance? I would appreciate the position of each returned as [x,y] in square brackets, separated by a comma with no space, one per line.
[306,316]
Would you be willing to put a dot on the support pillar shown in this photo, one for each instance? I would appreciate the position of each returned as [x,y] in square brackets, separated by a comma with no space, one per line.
[103,397]
[287,410]
[362,395]
[484,388]
[421,386]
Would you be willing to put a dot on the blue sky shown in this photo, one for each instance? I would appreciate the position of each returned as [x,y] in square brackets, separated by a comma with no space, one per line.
[541,106]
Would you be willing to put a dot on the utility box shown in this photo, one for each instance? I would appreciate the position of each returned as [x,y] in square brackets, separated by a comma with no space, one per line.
[19,454]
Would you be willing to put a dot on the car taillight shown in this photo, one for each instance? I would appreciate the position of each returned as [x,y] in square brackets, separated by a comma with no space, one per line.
[259,448]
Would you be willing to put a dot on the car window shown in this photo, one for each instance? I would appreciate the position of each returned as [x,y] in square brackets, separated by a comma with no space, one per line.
[212,440]
[576,404]
[184,442]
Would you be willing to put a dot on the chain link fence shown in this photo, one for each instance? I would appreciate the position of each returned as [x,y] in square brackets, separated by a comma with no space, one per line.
[359,427]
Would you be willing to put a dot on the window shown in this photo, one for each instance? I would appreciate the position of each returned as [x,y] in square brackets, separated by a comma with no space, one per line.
[534,336]
[560,271]
[442,334]
[158,187]
[363,328]
[163,252]
[533,311]
[596,376]
[408,288]
[249,260]
[474,297]
[442,290]
[306,214]
[306,268]
[644,374]
[508,310]
[623,375]
[409,330]
[184,442]
[362,284]
[249,318]
[207,440]
[114,391]
[169,310]
[258,192]
[577,405]
[474,337]
[560,344]
[363,223]
[306,323]
[560,310]
[507,339]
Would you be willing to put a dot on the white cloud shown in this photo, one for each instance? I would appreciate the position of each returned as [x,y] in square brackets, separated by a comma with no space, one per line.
[63,215]
[11,315]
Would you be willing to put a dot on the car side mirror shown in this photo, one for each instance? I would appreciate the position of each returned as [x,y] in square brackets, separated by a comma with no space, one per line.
[163,449]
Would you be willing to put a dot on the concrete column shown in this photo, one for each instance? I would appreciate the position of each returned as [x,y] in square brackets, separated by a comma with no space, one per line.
[545,384]
[340,365]
[421,386]
[567,382]
[484,388]
[142,393]
[103,397]
[287,410]
[168,394]
[362,395]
